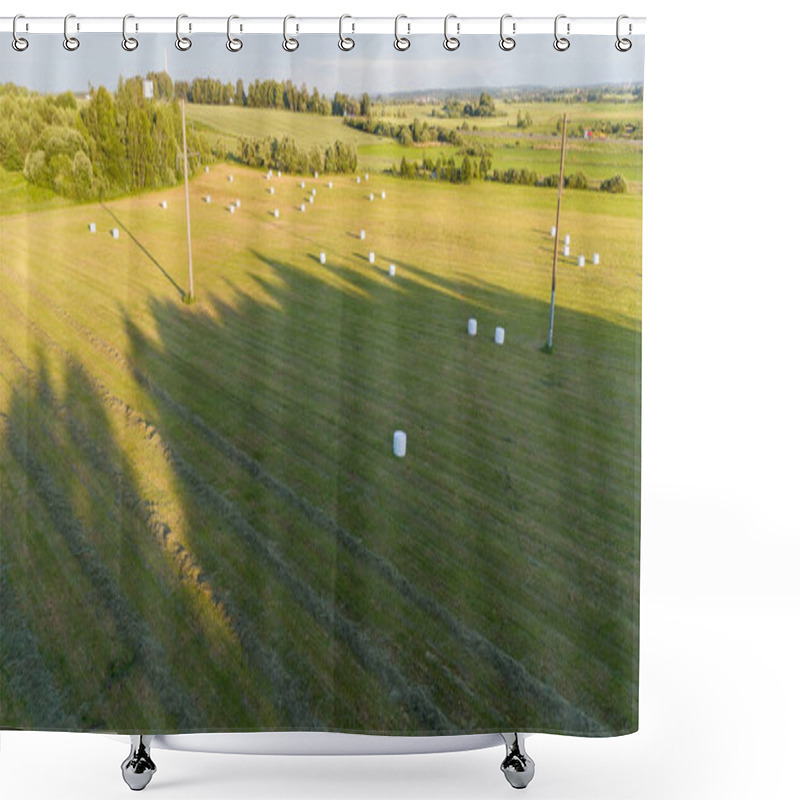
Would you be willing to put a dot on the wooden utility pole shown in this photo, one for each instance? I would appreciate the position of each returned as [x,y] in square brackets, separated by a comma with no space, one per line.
[558,217]
[186,187]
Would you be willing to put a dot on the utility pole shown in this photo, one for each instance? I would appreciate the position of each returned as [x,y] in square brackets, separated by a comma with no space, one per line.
[555,250]
[186,187]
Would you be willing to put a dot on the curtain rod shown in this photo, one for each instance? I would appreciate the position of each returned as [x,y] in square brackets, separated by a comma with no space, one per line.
[461,26]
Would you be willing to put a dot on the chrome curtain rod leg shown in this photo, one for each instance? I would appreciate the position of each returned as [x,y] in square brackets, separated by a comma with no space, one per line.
[517,766]
[138,768]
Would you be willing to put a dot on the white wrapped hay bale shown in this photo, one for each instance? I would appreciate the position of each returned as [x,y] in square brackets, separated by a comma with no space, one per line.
[330,184]
[316,174]
[391,270]
[115,233]
[566,249]
[279,173]
[596,259]
[207,198]
[92,227]
[303,207]
[566,239]
[302,184]
[581,261]
[322,258]
[163,204]
[366,176]
[311,199]
[383,195]
[272,190]
[472,326]
[363,235]
[399,444]
[238,203]
[232,208]
[269,175]
[553,231]
[358,179]
[371,197]
[277,213]
[499,335]
[230,178]
[371,257]
[313,192]
[206,170]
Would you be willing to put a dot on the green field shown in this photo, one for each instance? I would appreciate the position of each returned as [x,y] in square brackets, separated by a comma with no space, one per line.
[209,493]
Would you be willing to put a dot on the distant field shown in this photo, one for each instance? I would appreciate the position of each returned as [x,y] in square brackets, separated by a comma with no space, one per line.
[533,148]
[545,115]
[306,129]
[218,479]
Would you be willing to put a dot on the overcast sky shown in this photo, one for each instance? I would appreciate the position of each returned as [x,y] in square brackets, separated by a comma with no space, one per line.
[373,65]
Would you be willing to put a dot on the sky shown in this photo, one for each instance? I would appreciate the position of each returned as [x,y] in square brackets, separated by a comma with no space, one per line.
[373,65]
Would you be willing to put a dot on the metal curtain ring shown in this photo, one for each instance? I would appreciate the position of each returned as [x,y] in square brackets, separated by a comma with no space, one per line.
[128,42]
[507,42]
[18,43]
[289,44]
[345,42]
[71,43]
[623,45]
[400,42]
[233,44]
[181,42]
[561,43]
[450,42]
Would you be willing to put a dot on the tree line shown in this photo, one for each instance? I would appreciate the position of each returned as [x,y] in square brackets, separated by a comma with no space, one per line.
[418,132]
[268,93]
[111,145]
[284,154]
[472,168]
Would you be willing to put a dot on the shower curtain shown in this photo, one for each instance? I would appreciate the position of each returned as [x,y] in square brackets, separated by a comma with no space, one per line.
[320,384]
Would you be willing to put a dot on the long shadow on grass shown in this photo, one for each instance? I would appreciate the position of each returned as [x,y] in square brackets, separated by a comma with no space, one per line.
[144,250]
[498,553]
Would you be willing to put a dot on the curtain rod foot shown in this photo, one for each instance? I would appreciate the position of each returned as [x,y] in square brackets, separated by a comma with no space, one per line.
[517,766]
[138,768]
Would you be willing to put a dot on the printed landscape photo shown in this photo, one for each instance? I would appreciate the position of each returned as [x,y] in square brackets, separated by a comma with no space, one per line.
[283,442]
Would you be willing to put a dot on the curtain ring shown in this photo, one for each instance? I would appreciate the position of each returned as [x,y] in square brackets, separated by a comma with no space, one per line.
[561,43]
[18,43]
[233,44]
[623,45]
[450,42]
[400,42]
[181,42]
[289,44]
[345,42]
[507,42]
[128,42]
[71,43]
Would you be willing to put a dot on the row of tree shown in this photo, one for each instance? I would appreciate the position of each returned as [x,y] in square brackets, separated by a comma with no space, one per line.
[111,145]
[261,94]
[418,132]
[470,169]
[485,107]
[284,154]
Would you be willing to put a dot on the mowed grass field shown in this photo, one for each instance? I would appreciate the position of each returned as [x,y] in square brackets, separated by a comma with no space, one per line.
[203,523]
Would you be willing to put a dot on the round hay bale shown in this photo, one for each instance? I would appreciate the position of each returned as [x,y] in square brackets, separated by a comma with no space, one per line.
[399,441]
[499,335]
[472,326]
